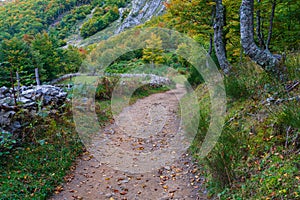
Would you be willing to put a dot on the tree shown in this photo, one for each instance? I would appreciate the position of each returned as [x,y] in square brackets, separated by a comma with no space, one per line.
[71,59]
[153,51]
[219,37]
[48,54]
[204,19]
[21,59]
[264,58]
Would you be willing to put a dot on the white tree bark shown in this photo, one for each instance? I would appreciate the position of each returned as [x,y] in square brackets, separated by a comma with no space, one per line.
[219,38]
[263,58]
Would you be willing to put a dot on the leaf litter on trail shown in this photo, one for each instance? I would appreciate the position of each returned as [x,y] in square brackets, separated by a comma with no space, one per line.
[173,181]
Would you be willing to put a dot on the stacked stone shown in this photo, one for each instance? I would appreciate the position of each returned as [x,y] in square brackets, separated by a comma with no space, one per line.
[27,98]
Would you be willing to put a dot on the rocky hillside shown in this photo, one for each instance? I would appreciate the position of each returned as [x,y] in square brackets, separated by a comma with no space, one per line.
[141,11]
[135,13]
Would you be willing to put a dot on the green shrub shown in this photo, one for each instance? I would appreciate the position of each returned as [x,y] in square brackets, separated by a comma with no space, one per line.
[48,147]
[194,77]
[67,23]
[290,115]
[293,66]
[124,66]
[119,3]
[99,21]
[236,88]
[223,159]
[106,87]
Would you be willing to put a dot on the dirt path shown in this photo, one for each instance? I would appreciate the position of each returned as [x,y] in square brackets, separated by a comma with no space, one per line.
[149,125]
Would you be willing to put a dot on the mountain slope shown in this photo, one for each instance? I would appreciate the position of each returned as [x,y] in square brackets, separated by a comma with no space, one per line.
[135,13]
[142,10]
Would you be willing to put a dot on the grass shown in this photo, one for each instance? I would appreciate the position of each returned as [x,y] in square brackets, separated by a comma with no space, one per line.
[37,166]
[257,155]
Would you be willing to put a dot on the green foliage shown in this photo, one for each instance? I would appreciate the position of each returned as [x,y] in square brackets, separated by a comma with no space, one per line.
[259,144]
[71,59]
[221,162]
[223,159]
[65,26]
[106,87]
[290,115]
[45,152]
[153,51]
[286,24]
[24,52]
[19,58]
[196,19]
[31,17]
[236,87]
[100,20]
[41,52]
[292,64]
[49,56]
[194,77]
[7,142]
[124,66]
[145,91]
[119,3]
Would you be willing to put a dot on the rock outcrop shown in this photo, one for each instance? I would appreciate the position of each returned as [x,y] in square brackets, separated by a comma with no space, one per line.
[142,11]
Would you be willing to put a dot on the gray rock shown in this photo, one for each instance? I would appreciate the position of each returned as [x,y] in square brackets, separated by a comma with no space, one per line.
[47,99]
[142,11]
[6,116]
[24,100]
[27,98]
[7,101]
[16,125]
[109,195]
[4,90]
[29,105]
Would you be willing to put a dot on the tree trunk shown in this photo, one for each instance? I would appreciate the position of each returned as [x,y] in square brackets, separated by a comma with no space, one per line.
[219,38]
[262,57]
[271,25]
[259,30]
[210,44]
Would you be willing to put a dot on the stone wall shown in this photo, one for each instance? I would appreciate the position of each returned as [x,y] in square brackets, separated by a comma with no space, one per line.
[30,98]
[33,98]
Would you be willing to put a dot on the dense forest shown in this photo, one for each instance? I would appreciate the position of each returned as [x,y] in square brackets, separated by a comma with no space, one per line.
[32,33]
[255,45]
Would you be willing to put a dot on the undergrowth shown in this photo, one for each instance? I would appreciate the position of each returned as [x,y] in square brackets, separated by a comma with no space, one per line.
[258,154]
[43,156]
